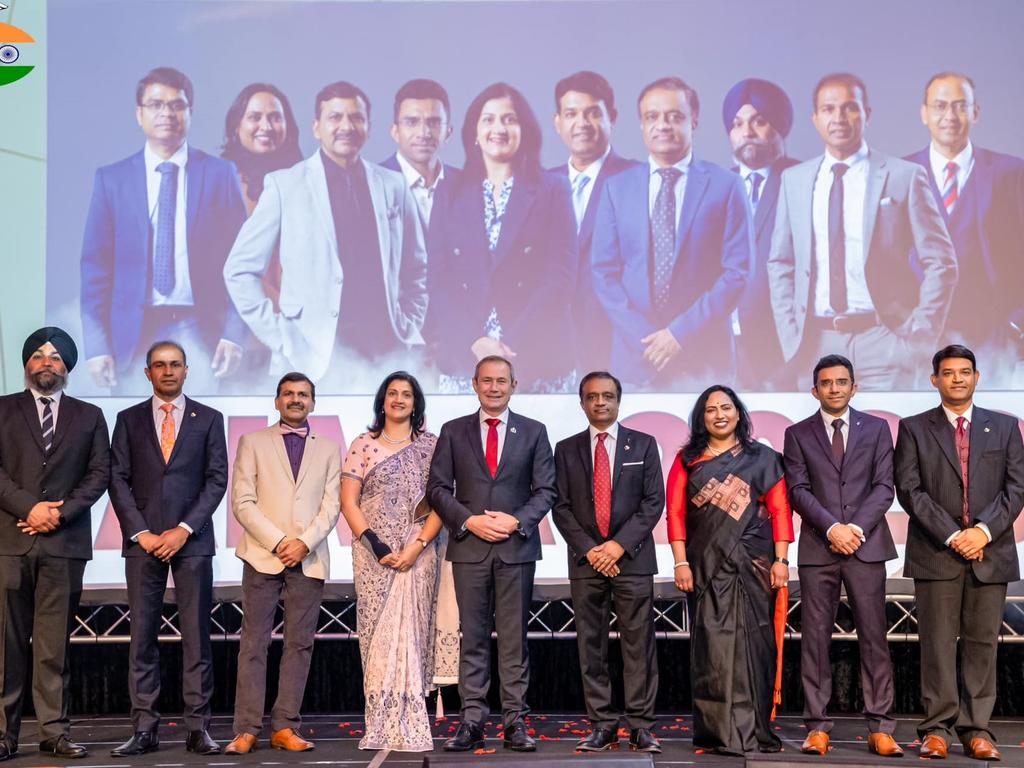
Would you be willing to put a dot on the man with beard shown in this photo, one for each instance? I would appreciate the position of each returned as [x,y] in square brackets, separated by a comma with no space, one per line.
[757,116]
[54,465]
[168,475]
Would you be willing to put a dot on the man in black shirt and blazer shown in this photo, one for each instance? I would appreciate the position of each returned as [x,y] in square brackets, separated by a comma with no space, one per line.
[610,497]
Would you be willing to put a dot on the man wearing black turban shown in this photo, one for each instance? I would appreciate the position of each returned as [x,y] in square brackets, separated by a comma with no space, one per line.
[757,116]
[54,465]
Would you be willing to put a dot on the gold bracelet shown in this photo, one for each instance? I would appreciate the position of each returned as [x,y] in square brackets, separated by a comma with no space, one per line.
[423,542]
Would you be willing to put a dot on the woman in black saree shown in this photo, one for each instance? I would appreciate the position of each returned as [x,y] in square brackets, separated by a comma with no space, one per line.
[730,525]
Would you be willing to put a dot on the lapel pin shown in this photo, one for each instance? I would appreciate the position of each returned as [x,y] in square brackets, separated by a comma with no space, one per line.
[987,429]
[625,447]
[193,414]
[513,430]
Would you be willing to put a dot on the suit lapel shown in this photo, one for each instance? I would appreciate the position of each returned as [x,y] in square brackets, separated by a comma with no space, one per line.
[195,175]
[523,193]
[511,445]
[877,175]
[817,426]
[696,186]
[945,437]
[802,212]
[612,164]
[31,414]
[379,198]
[769,197]
[981,431]
[586,457]
[316,181]
[277,439]
[307,457]
[66,415]
[147,425]
[623,445]
[188,416]
[856,432]
[475,444]
[138,198]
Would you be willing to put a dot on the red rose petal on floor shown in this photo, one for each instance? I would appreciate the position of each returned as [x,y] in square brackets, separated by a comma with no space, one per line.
[860,738]
[531,731]
[698,751]
[680,719]
[684,728]
[173,725]
[490,751]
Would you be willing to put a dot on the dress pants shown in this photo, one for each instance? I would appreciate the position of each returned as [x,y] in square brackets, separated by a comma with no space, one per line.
[972,610]
[883,360]
[633,598]
[819,601]
[39,596]
[493,593]
[300,596]
[193,588]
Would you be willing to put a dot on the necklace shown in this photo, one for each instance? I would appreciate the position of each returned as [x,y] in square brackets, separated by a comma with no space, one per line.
[386,439]
[719,451]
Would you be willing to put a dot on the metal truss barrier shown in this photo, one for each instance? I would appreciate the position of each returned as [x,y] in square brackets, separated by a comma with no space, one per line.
[549,619]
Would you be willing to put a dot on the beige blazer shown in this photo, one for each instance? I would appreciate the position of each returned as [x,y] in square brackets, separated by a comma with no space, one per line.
[272,505]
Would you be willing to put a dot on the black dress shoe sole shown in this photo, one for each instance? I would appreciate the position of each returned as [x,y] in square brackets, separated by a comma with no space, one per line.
[203,752]
[8,756]
[652,749]
[135,752]
[519,748]
[606,748]
[67,755]
[468,748]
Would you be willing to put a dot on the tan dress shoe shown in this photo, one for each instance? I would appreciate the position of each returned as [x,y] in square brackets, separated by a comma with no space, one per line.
[242,744]
[884,745]
[982,749]
[816,743]
[288,740]
[934,747]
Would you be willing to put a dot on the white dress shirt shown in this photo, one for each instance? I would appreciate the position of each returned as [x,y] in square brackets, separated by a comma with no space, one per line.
[580,200]
[964,162]
[609,446]
[969,418]
[502,427]
[181,295]
[858,297]
[422,192]
[844,430]
[54,406]
[680,189]
[177,414]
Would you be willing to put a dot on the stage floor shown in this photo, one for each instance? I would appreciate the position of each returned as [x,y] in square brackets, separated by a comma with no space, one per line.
[337,739]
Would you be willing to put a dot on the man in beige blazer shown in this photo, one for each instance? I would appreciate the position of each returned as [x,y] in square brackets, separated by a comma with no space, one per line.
[285,493]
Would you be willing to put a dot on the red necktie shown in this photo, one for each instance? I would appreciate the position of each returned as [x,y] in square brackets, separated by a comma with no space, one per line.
[963,451]
[602,486]
[492,445]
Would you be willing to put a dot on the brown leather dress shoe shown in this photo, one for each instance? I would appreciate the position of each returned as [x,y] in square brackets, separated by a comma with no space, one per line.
[884,745]
[242,744]
[816,743]
[288,740]
[934,747]
[982,749]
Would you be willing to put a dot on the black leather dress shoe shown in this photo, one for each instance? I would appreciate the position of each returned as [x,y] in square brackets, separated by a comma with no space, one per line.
[599,740]
[64,747]
[517,739]
[201,743]
[140,743]
[467,738]
[6,751]
[642,740]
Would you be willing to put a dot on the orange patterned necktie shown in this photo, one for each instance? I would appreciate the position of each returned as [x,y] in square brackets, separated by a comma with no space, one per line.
[167,431]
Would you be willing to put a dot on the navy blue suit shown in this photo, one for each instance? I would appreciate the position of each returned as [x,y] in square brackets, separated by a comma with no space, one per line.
[529,278]
[714,245]
[151,495]
[451,176]
[593,330]
[985,228]
[117,254]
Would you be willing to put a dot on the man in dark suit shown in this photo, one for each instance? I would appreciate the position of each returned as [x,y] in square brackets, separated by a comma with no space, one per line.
[610,497]
[849,226]
[980,194]
[671,252]
[839,474]
[169,471]
[492,480]
[160,226]
[585,115]
[758,116]
[54,465]
[960,477]
[422,126]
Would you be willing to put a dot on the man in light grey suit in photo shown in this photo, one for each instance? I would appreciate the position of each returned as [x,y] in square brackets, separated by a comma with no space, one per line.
[351,250]
[861,263]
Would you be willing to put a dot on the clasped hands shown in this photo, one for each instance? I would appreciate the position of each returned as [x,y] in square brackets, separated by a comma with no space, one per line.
[660,348]
[492,526]
[844,539]
[604,558]
[42,518]
[163,546]
[970,543]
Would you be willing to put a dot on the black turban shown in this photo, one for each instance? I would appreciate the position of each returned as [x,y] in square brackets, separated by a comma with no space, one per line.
[767,98]
[64,344]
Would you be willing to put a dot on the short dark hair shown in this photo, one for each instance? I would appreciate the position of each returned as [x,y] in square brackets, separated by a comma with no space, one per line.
[949,351]
[589,83]
[340,90]
[422,88]
[845,78]
[672,84]
[168,76]
[419,403]
[296,376]
[494,359]
[943,76]
[163,343]
[601,375]
[527,159]
[832,361]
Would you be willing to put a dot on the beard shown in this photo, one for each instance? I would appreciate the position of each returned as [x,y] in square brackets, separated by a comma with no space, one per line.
[758,154]
[46,382]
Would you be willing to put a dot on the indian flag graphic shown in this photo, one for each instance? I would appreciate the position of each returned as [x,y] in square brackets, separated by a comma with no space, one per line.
[12,41]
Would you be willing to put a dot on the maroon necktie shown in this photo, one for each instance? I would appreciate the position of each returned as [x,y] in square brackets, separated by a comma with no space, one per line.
[963,451]
[492,445]
[838,449]
[602,486]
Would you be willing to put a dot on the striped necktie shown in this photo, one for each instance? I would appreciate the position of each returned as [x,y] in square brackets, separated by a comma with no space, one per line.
[47,425]
[950,193]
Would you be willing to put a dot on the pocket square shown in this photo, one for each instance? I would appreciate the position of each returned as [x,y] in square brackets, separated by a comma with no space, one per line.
[886,201]
[631,463]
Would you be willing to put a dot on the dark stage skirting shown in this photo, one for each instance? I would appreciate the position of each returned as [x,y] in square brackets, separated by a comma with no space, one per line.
[337,737]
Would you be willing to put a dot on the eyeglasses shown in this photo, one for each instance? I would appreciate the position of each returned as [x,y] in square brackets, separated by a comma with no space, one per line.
[156,106]
[958,107]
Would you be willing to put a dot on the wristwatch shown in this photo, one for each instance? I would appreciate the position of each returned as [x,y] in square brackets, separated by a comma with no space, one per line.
[423,542]
[782,560]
